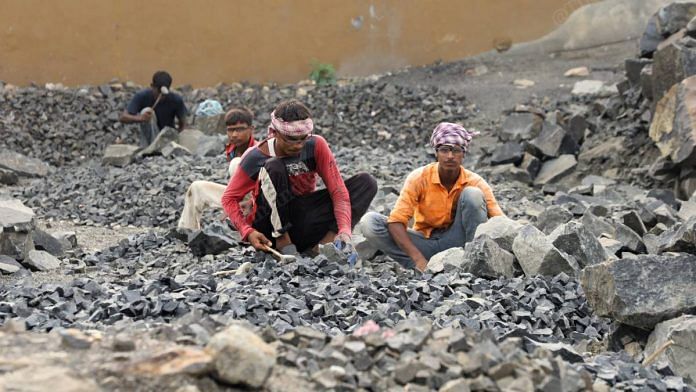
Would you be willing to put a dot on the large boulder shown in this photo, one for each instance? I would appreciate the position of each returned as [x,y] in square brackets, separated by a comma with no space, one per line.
[673,63]
[452,258]
[538,256]
[174,149]
[16,244]
[552,142]
[210,125]
[521,126]
[201,144]
[555,169]
[680,355]
[679,238]
[665,22]
[213,239]
[574,239]
[673,127]
[642,291]
[22,165]
[15,216]
[8,265]
[8,177]
[484,257]
[241,357]
[500,229]
[510,152]
[553,217]
[45,241]
[40,260]
[119,154]
[675,16]
[164,137]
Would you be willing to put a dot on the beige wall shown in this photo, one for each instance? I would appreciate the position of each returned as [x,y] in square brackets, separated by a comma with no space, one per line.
[205,42]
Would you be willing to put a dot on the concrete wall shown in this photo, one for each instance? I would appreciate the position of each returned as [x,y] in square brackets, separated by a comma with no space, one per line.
[205,42]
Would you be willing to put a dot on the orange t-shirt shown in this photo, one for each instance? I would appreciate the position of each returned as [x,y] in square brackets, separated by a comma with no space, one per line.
[425,199]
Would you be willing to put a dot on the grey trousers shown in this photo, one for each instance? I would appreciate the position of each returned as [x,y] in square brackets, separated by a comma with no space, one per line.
[148,130]
[471,212]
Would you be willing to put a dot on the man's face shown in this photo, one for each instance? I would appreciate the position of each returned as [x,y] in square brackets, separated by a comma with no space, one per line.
[238,133]
[291,145]
[450,156]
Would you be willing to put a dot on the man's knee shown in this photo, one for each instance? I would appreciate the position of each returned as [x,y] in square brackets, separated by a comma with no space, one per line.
[373,225]
[472,196]
[369,184]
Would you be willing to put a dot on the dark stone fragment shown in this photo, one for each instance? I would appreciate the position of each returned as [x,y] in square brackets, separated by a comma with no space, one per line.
[48,243]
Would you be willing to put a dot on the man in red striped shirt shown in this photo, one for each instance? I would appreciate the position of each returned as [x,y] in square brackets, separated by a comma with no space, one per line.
[281,172]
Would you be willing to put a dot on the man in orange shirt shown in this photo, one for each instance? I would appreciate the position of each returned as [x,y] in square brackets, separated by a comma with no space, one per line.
[446,201]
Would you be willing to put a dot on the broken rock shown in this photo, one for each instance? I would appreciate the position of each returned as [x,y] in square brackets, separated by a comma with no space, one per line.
[521,126]
[484,257]
[450,258]
[593,88]
[555,169]
[674,125]
[41,261]
[642,291]
[119,154]
[241,357]
[164,137]
[574,239]
[672,63]
[15,216]
[500,229]
[552,142]
[680,354]
[22,165]
[538,256]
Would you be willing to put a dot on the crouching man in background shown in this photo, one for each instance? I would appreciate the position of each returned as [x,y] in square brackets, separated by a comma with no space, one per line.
[205,194]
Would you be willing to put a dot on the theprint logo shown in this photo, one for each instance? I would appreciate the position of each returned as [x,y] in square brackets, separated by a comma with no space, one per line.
[561,14]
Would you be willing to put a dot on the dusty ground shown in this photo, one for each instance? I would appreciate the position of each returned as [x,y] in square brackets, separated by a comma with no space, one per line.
[492,90]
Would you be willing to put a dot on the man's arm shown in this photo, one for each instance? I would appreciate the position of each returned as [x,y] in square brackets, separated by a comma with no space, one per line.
[402,213]
[329,173]
[240,185]
[128,118]
[133,114]
[182,123]
[181,113]
[398,232]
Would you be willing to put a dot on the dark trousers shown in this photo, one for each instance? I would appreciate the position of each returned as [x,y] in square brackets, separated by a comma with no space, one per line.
[308,218]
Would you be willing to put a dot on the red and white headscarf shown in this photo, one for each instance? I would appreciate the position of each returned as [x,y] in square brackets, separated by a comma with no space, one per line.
[290,128]
[450,133]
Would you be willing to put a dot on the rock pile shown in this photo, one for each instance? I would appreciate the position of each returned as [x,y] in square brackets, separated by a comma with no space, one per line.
[413,355]
[22,245]
[156,278]
[151,193]
[61,125]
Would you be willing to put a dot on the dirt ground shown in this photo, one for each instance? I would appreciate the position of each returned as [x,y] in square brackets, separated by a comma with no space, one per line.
[487,80]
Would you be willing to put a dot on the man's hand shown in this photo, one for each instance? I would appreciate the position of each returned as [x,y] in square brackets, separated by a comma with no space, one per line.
[259,241]
[421,263]
[344,237]
[146,115]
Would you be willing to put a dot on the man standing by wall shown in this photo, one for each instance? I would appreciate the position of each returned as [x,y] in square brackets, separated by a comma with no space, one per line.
[155,108]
